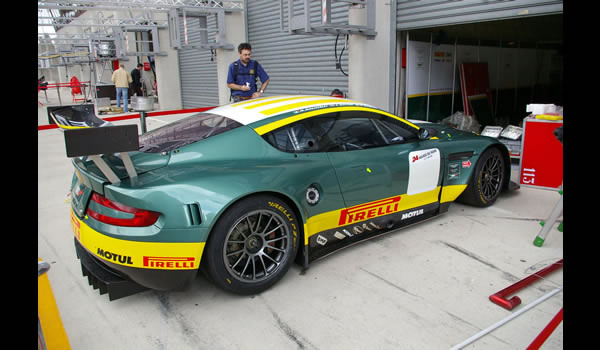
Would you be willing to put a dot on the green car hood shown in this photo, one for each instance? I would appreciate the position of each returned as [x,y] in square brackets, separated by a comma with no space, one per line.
[445,131]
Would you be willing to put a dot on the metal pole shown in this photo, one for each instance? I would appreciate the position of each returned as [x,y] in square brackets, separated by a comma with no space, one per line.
[429,74]
[325,11]
[516,77]
[406,70]
[143,121]
[453,77]
[392,58]
[58,91]
[498,77]
[400,88]
[505,320]
[556,212]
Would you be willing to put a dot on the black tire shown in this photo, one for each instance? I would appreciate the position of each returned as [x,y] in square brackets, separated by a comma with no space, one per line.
[486,181]
[252,245]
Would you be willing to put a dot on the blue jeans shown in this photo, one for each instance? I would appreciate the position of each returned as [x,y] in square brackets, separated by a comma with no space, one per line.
[124,93]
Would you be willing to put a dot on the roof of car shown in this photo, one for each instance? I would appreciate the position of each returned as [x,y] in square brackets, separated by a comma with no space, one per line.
[268,113]
[250,111]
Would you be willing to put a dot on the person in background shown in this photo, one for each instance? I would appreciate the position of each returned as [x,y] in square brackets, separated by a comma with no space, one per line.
[242,76]
[136,85]
[122,79]
[337,93]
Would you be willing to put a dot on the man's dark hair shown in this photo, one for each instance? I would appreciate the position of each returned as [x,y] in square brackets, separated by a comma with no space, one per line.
[140,65]
[244,46]
[337,92]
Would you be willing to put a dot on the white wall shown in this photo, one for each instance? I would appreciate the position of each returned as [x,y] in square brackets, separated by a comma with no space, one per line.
[369,60]
[507,67]
[235,34]
[167,73]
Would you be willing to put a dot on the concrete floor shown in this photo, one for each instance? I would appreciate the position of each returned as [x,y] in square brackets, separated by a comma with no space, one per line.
[422,287]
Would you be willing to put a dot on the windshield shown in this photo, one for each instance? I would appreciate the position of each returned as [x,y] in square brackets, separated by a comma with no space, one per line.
[185,131]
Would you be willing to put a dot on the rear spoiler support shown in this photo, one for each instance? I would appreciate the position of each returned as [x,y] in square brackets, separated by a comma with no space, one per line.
[93,142]
[106,170]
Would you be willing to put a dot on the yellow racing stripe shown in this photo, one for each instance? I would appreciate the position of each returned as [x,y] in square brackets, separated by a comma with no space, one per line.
[252,100]
[277,100]
[261,130]
[292,106]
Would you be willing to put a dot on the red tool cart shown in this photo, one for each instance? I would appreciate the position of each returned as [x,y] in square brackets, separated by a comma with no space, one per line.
[541,154]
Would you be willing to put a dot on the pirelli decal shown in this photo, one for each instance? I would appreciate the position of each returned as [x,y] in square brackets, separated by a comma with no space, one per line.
[145,255]
[369,210]
[162,262]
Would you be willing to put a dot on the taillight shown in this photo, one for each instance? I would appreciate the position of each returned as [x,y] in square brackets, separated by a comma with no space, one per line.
[140,217]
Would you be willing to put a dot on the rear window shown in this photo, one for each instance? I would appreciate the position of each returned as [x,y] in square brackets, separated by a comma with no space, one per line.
[185,131]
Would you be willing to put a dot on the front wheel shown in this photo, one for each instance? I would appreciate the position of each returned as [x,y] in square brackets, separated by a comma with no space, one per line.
[486,181]
[252,245]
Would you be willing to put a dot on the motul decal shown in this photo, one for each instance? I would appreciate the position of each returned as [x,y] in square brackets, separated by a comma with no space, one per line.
[169,262]
[369,210]
[117,258]
[466,164]
[411,214]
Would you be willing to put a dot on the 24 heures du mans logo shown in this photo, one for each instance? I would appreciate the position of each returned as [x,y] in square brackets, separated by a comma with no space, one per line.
[369,210]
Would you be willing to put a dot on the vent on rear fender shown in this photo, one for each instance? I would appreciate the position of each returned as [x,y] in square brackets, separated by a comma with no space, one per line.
[193,214]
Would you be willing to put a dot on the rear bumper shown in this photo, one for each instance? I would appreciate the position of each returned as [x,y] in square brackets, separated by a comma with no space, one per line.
[121,281]
[106,280]
[121,266]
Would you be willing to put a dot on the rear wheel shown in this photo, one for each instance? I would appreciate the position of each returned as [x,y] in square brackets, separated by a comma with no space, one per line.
[252,245]
[486,182]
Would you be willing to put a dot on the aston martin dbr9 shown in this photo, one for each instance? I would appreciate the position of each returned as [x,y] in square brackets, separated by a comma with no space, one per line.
[243,190]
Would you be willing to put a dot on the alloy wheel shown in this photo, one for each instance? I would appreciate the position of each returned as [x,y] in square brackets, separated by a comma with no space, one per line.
[256,246]
[491,177]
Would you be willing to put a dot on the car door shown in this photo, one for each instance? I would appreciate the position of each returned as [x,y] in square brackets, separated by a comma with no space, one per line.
[377,170]
[381,165]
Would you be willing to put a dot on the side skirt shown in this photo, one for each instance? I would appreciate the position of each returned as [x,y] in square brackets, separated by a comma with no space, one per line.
[330,241]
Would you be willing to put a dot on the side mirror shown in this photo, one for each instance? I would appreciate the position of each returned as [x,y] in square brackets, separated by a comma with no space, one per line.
[423,134]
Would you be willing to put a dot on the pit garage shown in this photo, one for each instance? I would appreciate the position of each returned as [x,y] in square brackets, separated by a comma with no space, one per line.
[452,276]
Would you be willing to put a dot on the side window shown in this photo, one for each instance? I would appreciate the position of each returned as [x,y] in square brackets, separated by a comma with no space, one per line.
[292,138]
[341,131]
[396,131]
[383,130]
[351,132]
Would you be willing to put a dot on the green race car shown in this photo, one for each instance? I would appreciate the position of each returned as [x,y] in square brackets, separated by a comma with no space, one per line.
[243,190]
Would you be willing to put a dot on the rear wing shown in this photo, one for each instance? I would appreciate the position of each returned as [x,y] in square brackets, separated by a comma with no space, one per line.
[96,141]
[75,117]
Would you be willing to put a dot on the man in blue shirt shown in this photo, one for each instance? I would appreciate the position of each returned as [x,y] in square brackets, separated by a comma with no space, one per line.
[241,78]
